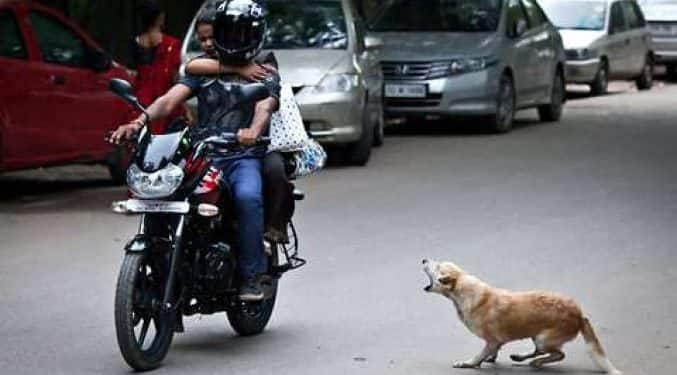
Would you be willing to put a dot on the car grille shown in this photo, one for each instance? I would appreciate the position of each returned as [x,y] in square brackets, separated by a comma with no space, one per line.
[414,70]
[571,54]
[432,100]
[663,28]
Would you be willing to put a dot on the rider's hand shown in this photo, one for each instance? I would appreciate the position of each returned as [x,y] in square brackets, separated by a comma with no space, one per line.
[125,132]
[247,137]
[253,72]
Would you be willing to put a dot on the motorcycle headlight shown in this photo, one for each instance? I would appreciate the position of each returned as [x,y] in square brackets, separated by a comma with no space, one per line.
[160,184]
[461,66]
[338,83]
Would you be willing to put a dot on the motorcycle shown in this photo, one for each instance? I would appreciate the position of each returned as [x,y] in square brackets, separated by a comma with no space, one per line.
[183,260]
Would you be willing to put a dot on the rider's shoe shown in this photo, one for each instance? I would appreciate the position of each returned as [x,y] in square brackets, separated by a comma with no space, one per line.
[273,235]
[178,324]
[250,291]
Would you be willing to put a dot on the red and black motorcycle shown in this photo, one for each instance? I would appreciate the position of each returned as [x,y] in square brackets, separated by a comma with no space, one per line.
[183,261]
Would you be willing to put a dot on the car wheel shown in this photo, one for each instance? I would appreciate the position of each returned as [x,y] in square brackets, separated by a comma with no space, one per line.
[645,80]
[553,111]
[600,85]
[379,129]
[358,153]
[501,121]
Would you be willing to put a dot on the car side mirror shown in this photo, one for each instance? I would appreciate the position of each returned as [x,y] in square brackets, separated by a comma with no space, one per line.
[519,28]
[99,61]
[372,43]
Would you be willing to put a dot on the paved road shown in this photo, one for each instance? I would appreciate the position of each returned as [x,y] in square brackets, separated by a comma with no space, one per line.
[586,207]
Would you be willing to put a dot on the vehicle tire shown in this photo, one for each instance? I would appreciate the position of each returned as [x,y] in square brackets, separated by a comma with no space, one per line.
[600,86]
[117,163]
[671,70]
[553,111]
[138,298]
[501,121]
[645,80]
[358,153]
[251,318]
[379,129]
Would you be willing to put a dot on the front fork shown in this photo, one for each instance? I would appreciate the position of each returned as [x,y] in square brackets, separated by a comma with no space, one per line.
[175,263]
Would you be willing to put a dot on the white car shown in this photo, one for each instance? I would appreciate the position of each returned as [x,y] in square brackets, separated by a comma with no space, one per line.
[662,18]
[604,39]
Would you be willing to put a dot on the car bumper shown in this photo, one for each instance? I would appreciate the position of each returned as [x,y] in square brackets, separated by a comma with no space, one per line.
[469,94]
[332,117]
[581,71]
[665,49]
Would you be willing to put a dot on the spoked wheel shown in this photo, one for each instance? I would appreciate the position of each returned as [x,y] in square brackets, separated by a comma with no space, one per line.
[251,318]
[144,332]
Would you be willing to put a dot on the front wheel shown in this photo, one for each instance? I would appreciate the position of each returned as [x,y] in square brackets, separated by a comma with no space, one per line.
[553,111]
[144,332]
[645,80]
[501,121]
[358,153]
[251,318]
[600,86]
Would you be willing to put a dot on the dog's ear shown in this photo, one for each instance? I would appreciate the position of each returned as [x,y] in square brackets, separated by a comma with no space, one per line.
[448,281]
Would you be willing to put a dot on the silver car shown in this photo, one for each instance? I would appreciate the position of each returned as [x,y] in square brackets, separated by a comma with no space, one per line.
[470,58]
[333,68]
[662,18]
[604,39]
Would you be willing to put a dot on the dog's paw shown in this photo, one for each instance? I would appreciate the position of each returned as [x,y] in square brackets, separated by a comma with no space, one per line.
[462,364]
[516,358]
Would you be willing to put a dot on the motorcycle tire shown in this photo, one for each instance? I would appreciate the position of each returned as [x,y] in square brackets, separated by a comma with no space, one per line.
[134,309]
[251,318]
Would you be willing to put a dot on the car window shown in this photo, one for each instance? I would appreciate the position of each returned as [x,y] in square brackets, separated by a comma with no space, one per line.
[296,24]
[534,13]
[515,14]
[58,43]
[617,22]
[440,15]
[576,14]
[11,43]
[632,15]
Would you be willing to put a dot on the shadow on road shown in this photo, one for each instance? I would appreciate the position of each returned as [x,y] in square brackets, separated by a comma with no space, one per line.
[453,127]
[24,188]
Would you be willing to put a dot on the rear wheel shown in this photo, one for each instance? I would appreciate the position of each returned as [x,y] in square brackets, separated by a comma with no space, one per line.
[251,318]
[379,128]
[501,121]
[645,80]
[144,332]
[553,111]
[600,85]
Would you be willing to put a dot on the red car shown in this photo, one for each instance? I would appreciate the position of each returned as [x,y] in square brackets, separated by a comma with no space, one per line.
[55,107]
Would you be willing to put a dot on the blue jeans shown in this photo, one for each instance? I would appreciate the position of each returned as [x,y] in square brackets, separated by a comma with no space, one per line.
[243,177]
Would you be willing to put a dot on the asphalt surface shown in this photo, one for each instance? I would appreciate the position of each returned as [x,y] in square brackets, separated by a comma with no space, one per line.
[586,207]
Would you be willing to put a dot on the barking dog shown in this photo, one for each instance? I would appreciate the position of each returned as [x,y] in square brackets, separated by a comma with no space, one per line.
[499,316]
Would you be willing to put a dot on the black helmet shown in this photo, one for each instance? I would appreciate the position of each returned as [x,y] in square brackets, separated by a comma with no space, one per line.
[239,30]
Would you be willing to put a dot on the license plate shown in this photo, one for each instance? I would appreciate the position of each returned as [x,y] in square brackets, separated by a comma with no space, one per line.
[406,91]
[136,206]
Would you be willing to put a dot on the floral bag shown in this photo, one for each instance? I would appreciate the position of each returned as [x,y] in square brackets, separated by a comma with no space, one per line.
[310,159]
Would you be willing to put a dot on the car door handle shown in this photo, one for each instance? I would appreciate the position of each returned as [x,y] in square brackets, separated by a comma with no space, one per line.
[58,80]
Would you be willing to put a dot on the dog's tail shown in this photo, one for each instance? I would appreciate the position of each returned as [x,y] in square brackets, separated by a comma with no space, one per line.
[595,348]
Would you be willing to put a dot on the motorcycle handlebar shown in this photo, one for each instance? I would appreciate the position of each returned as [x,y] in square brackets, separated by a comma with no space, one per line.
[230,139]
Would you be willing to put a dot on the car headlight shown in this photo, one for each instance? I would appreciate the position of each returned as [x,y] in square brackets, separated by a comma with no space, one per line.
[160,184]
[461,66]
[338,83]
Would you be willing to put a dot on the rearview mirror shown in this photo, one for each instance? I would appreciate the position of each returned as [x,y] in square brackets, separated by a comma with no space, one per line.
[372,42]
[124,90]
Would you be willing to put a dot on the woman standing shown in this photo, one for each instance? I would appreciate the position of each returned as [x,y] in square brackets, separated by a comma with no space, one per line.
[156,57]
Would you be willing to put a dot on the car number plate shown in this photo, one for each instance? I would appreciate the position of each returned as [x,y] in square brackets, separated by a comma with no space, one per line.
[406,91]
[148,206]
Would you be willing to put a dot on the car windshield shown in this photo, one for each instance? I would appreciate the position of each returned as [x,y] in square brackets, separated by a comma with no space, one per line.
[294,24]
[658,2]
[576,14]
[297,24]
[440,15]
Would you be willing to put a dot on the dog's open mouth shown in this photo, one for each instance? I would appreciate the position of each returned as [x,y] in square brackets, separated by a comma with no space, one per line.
[428,287]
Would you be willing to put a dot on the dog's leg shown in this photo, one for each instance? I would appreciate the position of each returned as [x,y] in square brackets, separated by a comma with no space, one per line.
[524,357]
[492,359]
[554,355]
[490,350]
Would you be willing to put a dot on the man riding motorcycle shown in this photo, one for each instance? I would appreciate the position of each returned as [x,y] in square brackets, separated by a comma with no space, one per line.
[239,29]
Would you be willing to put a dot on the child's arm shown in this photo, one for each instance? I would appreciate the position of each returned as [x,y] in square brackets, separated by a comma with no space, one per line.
[203,66]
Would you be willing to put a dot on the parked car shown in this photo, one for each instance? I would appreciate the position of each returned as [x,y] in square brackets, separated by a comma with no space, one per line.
[55,107]
[662,18]
[324,54]
[470,58]
[604,39]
